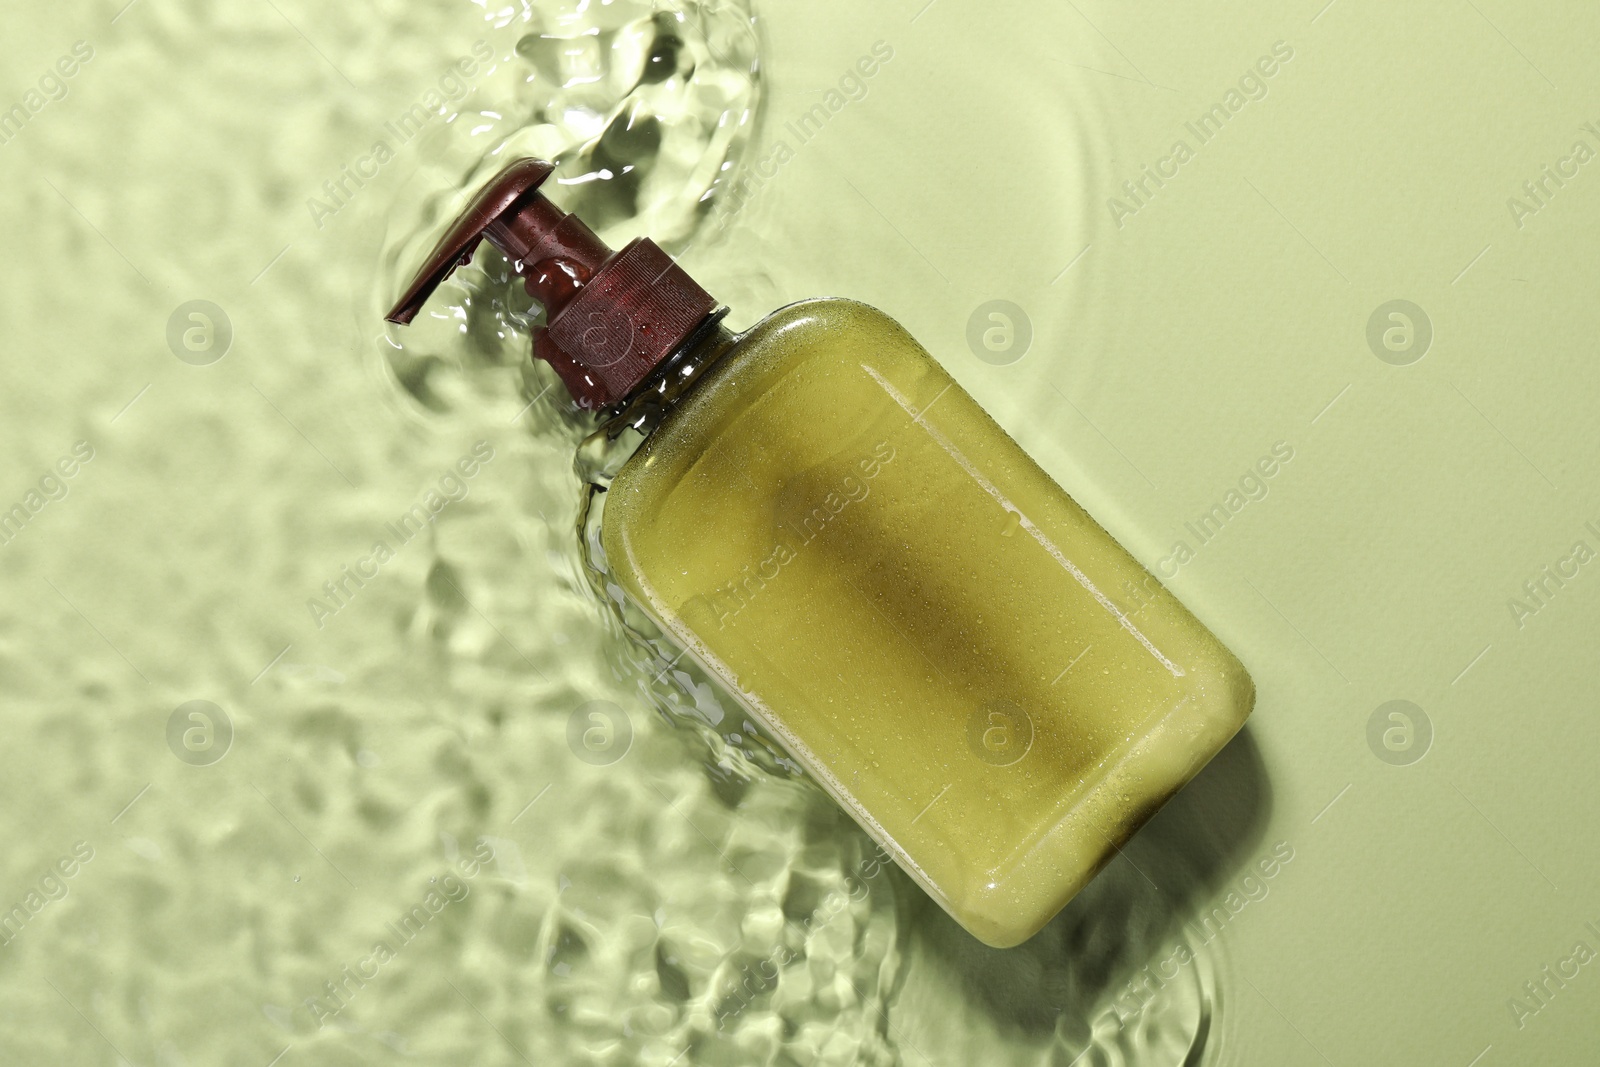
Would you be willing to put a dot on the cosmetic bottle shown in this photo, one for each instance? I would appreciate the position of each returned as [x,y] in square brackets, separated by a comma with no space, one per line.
[933,629]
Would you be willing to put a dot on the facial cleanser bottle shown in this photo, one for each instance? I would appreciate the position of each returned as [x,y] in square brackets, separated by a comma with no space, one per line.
[832,527]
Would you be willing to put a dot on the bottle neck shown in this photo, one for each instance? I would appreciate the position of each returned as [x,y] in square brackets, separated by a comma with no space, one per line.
[677,376]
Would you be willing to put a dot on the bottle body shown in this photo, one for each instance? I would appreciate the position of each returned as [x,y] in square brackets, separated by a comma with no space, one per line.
[928,623]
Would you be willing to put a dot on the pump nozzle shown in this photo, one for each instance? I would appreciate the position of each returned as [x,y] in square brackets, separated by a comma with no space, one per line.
[611,317]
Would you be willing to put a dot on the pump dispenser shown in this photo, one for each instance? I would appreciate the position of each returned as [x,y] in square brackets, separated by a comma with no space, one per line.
[947,643]
[612,317]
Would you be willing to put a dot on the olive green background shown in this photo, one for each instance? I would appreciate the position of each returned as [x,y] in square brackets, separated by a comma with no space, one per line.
[1169,354]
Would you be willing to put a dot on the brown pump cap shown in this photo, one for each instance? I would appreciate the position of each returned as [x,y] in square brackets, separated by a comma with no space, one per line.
[612,317]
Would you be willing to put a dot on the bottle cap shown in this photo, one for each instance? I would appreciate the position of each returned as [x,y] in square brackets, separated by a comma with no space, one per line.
[611,317]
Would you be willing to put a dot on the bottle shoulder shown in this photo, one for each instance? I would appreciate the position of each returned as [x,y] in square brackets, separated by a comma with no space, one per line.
[821,315]
[834,330]
[801,364]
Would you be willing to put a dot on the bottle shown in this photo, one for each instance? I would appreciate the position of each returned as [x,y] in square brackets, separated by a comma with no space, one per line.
[881,576]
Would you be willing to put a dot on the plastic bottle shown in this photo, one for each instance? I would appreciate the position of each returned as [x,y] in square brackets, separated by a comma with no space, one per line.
[832,527]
